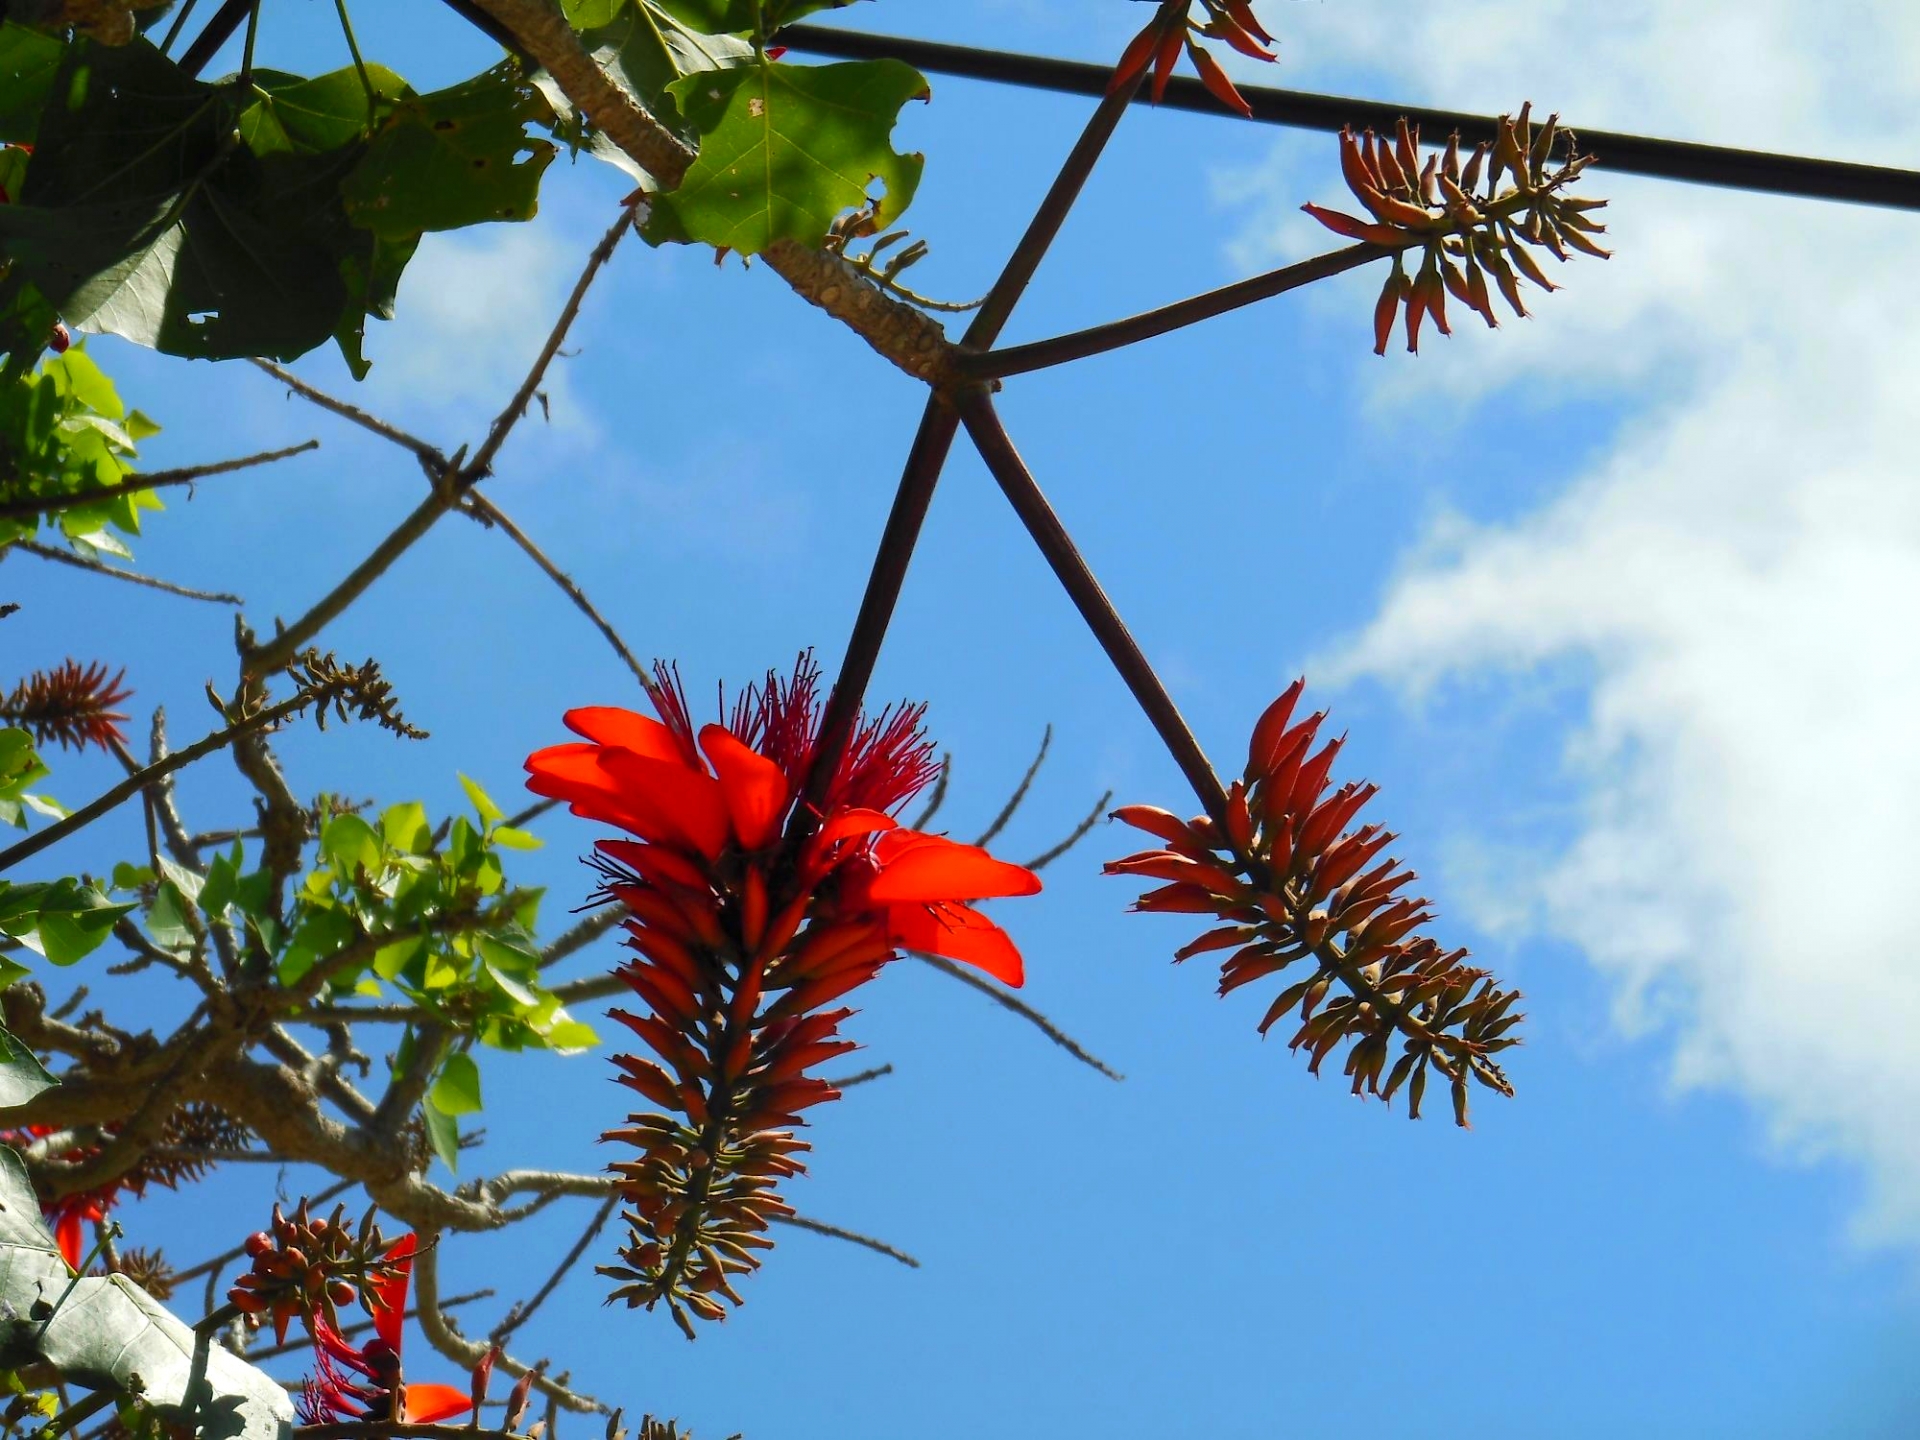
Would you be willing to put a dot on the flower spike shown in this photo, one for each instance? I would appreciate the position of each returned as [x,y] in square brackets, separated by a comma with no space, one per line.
[745,931]
[1172,29]
[1292,881]
[1464,231]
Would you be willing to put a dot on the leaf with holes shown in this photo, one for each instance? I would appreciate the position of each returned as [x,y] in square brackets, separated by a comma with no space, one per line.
[459,156]
[784,149]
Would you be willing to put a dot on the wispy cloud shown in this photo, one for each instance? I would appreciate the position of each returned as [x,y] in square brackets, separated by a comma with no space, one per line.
[1738,573]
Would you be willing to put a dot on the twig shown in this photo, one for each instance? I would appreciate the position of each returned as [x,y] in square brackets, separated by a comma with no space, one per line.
[132,577]
[134,784]
[1075,836]
[428,455]
[1020,1007]
[568,586]
[151,480]
[482,463]
[521,819]
[467,1353]
[1019,792]
[938,797]
[800,1222]
[582,935]
[847,1082]
[521,1313]
[1020,359]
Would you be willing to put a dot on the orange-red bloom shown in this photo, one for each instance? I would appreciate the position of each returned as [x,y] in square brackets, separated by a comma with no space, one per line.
[744,927]
[364,1382]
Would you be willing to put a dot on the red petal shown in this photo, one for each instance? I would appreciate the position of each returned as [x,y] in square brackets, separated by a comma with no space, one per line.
[577,773]
[958,933]
[690,803]
[922,869]
[390,1294]
[643,735]
[430,1402]
[66,1234]
[754,788]
[848,823]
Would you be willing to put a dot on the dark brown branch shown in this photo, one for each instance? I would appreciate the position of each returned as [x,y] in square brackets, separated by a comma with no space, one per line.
[1629,154]
[582,935]
[939,424]
[219,30]
[1020,359]
[1007,468]
[1020,1007]
[151,480]
[997,308]
[132,577]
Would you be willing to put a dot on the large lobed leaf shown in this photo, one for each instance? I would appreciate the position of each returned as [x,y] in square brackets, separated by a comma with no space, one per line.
[107,1333]
[784,149]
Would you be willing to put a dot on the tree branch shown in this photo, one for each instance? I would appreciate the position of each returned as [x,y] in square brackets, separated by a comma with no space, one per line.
[132,577]
[1021,1008]
[151,480]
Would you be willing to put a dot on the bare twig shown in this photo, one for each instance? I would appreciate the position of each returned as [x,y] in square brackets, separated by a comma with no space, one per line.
[132,577]
[582,935]
[800,1222]
[134,784]
[1020,1007]
[523,1312]
[151,480]
[1075,836]
[1019,792]
[939,795]
[567,584]
[847,1082]
[427,454]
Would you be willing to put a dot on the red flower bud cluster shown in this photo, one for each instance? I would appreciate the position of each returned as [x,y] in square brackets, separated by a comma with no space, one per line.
[306,1267]
[1470,219]
[1293,882]
[1173,29]
[69,705]
[748,919]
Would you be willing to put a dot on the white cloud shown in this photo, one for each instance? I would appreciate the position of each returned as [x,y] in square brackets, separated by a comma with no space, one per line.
[473,310]
[1739,573]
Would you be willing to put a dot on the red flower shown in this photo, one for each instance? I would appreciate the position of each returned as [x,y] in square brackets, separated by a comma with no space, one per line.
[743,933]
[364,1382]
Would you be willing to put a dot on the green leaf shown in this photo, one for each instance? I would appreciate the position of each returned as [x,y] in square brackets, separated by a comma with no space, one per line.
[19,768]
[443,1133]
[457,1090]
[785,149]
[405,828]
[508,838]
[107,1333]
[738,15]
[63,920]
[22,1076]
[327,112]
[167,922]
[28,64]
[351,843]
[456,157]
[483,806]
[591,14]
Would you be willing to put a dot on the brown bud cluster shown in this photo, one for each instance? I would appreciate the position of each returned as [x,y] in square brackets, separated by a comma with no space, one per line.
[72,704]
[1293,883]
[1473,218]
[305,1265]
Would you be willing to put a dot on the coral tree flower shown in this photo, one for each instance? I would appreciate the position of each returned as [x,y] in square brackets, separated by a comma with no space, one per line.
[746,920]
[1293,882]
[364,1382]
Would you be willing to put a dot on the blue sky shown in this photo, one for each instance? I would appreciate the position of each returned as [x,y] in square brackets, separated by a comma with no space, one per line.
[1612,604]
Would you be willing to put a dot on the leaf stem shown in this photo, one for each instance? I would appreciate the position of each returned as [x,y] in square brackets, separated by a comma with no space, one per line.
[359,64]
